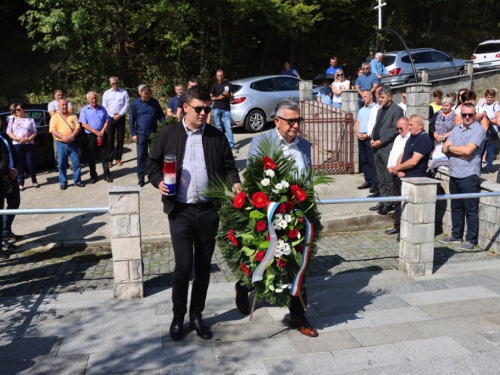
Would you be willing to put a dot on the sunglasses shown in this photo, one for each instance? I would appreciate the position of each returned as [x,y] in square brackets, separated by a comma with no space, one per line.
[114,83]
[400,129]
[292,121]
[338,75]
[468,114]
[19,109]
[199,109]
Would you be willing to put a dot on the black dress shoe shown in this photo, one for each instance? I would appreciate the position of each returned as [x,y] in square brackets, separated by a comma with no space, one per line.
[366,185]
[201,328]
[7,246]
[242,302]
[81,184]
[385,210]
[177,328]
[392,231]
[108,179]
[377,207]
[12,236]
[141,183]
[374,195]
[372,190]
[64,187]
[93,180]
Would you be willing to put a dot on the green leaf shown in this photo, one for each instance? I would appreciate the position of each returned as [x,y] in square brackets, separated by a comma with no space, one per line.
[248,252]
[264,245]
[299,213]
[256,214]
[298,257]
[247,236]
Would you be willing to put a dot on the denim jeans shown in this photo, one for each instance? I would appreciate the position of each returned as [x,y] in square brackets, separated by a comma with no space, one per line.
[63,151]
[462,209]
[490,154]
[223,115]
[143,145]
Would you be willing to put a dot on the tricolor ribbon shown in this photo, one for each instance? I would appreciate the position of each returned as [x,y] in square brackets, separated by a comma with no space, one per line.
[258,274]
[297,281]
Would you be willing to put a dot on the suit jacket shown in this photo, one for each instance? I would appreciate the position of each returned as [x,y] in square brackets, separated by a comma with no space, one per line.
[387,128]
[172,140]
[272,136]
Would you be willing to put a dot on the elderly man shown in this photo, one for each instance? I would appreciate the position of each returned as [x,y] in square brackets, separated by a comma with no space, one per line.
[365,150]
[382,139]
[173,102]
[333,66]
[52,108]
[94,119]
[464,148]
[203,154]
[116,102]
[366,81]
[412,161]
[144,114]
[377,67]
[285,136]
[64,127]
[221,94]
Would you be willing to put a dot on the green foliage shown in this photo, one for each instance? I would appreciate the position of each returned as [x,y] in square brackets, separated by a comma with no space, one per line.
[154,136]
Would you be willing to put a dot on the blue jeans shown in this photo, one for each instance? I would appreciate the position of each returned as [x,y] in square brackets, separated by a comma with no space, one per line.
[490,154]
[143,145]
[63,151]
[337,105]
[465,208]
[223,115]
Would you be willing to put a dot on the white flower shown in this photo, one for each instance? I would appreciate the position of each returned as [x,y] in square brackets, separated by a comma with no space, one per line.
[285,184]
[274,224]
[278,186]
[288,218]
[283,224]
[265,182]
[270,173]
[278,216]
[278,290]
[275,191]
[286,249]
[280,244]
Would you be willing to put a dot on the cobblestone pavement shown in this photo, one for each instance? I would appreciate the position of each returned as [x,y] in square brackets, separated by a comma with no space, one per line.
[71,269]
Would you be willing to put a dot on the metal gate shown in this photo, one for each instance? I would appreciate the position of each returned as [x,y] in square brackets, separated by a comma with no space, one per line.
[331,134]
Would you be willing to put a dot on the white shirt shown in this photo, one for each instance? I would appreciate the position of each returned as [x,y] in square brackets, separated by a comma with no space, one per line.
[397,149]
[293,151]
[115,102]
[403,107]
[373,118]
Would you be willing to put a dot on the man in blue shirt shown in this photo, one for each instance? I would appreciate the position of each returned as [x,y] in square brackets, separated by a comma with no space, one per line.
[173,103]
[333,66]
[366,81]
[95,120]
[144,114]
[364,147]
[289,71]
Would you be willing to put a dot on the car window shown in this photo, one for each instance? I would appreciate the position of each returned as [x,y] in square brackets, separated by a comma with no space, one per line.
[439,56]
[38,116]
[389,60]
[287,83]
[488,48]
[266,85]
[406,59]
[422,58]
[236,88]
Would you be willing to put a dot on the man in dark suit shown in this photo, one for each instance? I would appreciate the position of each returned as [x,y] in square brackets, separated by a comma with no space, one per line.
[383,135]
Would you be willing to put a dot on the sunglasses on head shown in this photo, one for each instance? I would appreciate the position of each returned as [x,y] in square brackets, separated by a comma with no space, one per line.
[199,109]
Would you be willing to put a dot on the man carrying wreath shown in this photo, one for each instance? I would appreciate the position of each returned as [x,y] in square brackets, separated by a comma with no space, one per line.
[288,121]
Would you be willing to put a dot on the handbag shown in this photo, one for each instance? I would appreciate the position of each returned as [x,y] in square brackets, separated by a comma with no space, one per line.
[5,186]
[437,153]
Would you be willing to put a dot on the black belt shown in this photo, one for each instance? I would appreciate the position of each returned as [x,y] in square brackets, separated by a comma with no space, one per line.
[199,206]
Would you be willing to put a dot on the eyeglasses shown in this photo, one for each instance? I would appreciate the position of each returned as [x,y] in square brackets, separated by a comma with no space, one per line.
[199,109]
[114,83]
[468,114]
[400,129]
[366,68]
[292,121]
[19,109]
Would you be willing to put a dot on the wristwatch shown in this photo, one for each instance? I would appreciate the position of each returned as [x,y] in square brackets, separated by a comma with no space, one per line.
[448,148]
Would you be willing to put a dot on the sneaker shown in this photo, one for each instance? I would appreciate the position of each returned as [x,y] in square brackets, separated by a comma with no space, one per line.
[235,150]
[486,171]
[467,246]
[450,240]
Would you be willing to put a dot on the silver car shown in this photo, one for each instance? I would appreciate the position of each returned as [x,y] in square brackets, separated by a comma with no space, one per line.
[255,99]
[439,65]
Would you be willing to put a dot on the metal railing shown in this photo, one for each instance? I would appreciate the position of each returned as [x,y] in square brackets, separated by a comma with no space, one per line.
[43,211]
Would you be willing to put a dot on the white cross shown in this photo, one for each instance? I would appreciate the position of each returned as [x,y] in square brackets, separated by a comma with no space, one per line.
[379,7]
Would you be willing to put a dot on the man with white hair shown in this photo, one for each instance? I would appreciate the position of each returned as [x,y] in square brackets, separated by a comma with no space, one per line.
[376,66]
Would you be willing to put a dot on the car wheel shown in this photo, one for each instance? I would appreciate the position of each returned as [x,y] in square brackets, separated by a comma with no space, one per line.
[255,121]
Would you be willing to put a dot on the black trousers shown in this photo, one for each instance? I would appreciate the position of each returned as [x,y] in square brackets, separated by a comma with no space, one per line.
[396,191]
[118,128]
[192,227]
[384,178]
[93,148]
[13,200]
[374,172]
[462,209]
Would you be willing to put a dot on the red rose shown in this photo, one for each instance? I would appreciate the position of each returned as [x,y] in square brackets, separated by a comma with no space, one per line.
[301,220]
[289,204]
[239,200]
[232,237]
[268,163]
[259,256]
[281,209]
[299,193]
[245,269]
[259,200]
[293,233]
[281,263]
[299,248]
[268,238]
[261,226]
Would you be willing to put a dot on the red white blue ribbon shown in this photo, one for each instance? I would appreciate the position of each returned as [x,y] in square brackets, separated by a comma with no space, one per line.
[258,274]
[297,281]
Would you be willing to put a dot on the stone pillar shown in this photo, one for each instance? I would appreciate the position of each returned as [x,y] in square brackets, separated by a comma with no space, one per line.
[417,101]
[469,68]
[350,105]
[126,241]
[306,90]
[416,246]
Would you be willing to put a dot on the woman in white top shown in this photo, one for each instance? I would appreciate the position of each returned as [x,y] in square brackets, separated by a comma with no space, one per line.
[340,84]
[491,111]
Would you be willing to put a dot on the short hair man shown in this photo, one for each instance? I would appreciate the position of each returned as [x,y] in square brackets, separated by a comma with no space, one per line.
[377,67]
[203,154]
[145,112]
[95,120]
[139,88]
[333,66]
[403,102]
[52,108]
[361,128]
[286,136]
[370,56]
[64,127]
[193,82]
[414,159]
[383,135]
[174,101]
[116,102]
[366,81]
[289,71]
[221,94]
[371,124]
[464,148]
